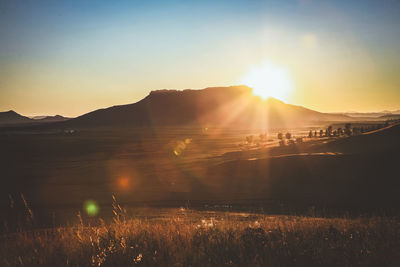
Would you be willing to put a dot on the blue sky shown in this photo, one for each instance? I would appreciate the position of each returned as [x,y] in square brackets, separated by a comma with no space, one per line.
[71,57]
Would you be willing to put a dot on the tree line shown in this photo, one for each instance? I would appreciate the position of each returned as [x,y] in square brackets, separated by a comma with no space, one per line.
[347,130]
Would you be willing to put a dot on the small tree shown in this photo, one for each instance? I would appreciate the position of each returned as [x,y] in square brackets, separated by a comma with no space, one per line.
[329,131]
[280,136]
[321,133]
[288,135]
[347,128]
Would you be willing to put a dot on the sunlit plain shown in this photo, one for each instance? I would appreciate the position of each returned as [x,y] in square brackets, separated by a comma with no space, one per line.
[191,238]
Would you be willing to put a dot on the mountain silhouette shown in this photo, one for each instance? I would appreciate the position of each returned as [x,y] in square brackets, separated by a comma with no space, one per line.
[390,117]
[50,118]
[233,106]
[12,117]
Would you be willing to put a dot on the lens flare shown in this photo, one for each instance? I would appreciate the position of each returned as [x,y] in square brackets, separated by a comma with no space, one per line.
[124,183]
[91,207]
[181,146]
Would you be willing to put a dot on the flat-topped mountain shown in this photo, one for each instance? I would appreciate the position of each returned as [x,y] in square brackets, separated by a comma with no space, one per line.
[233,106]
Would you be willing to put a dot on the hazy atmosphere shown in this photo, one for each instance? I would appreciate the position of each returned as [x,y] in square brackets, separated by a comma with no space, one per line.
[199,133]
[72,57]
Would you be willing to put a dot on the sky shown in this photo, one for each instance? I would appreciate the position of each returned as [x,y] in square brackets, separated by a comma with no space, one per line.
[72,57]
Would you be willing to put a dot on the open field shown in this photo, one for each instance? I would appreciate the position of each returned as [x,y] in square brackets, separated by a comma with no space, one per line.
[182,237]
[58,172]
[199,198]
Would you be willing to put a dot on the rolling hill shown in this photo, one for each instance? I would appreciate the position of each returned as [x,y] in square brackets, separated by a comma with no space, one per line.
[358,171]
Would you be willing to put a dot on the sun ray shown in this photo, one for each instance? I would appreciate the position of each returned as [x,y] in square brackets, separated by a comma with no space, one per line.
[269,80]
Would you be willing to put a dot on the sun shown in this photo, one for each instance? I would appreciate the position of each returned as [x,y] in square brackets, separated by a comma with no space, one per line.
[269,80]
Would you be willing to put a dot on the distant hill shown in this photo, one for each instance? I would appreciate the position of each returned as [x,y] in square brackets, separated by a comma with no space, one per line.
[366,114]
[233,106]
[50,118]
[38,117]
[11,117]
[370,115]
[390,117]
[397,112]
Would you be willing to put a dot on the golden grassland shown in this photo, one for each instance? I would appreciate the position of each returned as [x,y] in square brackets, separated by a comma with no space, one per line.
[186,237]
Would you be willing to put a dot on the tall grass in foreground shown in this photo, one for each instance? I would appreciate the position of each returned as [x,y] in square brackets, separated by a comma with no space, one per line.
[190,238]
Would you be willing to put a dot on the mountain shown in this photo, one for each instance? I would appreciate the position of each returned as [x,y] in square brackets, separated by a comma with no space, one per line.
[370,115]
[226,107]
[397,112]
[50,118]
[38,117]
[11,117]
[366,114]
[390,117]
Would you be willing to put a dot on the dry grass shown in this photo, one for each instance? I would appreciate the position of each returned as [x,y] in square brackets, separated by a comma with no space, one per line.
[194,238]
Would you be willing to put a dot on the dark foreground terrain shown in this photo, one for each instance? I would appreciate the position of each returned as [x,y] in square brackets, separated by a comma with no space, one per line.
[57,172]
[198,197]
